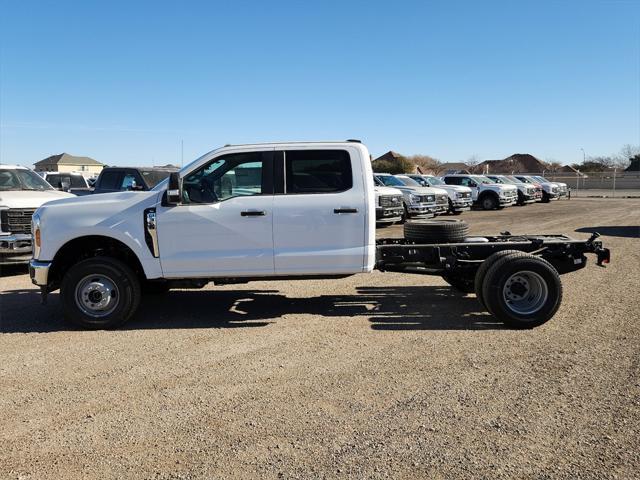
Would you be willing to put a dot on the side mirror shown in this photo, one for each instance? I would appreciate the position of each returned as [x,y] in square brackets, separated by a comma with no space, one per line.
[174,190]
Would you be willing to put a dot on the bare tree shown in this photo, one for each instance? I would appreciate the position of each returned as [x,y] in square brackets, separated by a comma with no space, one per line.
[553,165]
[623,159]
[473,160]
[425,163]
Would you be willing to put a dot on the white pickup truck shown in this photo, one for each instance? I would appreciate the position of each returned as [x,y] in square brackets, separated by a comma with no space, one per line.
[22,191]
[276,211]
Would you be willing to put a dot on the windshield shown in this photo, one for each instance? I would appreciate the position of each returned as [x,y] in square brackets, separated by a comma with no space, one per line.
[409,182]
[390,181]
[482,179]
[419,180]
[154,177]
[434,181]
[525,179]
[541,179]
[497,180]
[19,179]
[513,179]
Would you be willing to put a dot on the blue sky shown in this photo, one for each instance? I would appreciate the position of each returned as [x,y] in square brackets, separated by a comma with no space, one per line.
[125,82]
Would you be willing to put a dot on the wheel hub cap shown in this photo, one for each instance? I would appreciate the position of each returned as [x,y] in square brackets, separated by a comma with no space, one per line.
[97,295]
[525,292]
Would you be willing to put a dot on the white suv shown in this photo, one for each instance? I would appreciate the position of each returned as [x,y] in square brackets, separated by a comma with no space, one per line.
[22,191]
[485,192]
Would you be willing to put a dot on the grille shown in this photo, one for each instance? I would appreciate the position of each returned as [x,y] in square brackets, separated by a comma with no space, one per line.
[16,220]
[427,198]
[390,200]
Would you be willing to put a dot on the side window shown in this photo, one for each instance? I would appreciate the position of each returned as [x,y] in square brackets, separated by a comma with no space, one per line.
[225,177]
[109,180]
[467,182]
[317,171]
[452,181]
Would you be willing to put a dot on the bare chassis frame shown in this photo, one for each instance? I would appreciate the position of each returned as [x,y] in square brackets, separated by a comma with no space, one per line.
[463,259]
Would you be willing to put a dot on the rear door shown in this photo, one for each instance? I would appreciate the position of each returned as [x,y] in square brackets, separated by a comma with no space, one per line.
[319,212]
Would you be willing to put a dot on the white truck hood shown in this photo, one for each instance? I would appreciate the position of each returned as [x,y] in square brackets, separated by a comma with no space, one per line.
[30,198]
[455,188]
[387,191]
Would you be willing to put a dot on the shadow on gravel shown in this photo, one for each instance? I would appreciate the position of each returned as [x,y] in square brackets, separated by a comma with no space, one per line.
[13,270]
[618,231]
[388,308]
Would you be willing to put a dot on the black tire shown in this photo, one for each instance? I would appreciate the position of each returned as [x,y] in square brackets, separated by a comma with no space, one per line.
[521,199]
[436,231]
[522,290]
[545,197]
[482,271]
[84,278]
[156,287]
[463,284]
[489,201]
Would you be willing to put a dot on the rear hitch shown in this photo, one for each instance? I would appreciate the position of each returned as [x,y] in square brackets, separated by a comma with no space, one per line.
[604,256]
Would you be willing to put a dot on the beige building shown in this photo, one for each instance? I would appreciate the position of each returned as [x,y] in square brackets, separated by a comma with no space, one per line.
[64,162]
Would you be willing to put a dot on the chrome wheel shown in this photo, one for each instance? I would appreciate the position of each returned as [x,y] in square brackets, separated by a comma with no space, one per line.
[525,292]
[97,295]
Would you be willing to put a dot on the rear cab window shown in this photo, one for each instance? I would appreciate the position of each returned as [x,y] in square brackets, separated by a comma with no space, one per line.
[317,171]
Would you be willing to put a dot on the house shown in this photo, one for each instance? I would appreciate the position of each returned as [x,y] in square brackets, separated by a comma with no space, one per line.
[64,162]
[516,163]
[451,168]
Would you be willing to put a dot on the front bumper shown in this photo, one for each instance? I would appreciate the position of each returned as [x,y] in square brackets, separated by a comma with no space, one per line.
[39,272]
[528,198]
[507,201]
[422,209]
[389,214]
[461,205]
[15,249]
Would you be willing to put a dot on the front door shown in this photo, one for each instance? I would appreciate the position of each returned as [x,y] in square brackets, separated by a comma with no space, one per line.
[224,225]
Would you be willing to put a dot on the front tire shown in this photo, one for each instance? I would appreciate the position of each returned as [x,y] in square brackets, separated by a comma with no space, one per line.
[100,293]
[489,202]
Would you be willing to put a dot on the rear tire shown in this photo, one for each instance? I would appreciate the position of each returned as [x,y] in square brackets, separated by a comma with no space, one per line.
[436,231]
[99,293]
[545,197]
[482,272]
[522,290]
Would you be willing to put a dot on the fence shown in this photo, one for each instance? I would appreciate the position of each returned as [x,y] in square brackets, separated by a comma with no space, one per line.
[610,184]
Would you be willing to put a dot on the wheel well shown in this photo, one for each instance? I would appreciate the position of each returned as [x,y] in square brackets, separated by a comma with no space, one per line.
[91,246]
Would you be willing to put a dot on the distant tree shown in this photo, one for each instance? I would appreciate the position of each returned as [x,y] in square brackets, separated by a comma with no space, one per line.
[473,160]
[426,163]
[400,165]
[553,166]
[627,153]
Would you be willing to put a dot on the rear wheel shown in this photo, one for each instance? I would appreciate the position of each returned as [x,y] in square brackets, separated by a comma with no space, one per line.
[100,293]
[482,272]
[545,197]
[522,290]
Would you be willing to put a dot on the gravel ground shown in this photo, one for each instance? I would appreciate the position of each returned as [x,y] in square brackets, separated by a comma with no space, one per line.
[373,376]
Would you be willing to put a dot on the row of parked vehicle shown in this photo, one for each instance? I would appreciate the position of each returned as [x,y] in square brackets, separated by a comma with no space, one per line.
[400,197]
[22,191]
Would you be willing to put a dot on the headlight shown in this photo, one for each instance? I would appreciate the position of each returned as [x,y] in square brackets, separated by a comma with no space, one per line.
[431,198]
[36,235]
[459,195]
[415,198]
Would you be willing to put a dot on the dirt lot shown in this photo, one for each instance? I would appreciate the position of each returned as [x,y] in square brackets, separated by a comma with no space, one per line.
[374,376]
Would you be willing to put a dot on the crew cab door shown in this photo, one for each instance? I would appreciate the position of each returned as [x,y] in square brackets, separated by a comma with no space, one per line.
[319,212]
[224,225]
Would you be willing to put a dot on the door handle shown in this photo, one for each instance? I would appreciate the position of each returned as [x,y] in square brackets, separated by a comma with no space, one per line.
[345,210]
[253,213]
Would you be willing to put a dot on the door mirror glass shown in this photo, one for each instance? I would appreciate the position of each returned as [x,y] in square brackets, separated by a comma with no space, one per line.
[173,189]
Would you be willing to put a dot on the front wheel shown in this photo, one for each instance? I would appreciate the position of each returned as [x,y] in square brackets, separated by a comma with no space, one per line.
[100,293]
[489,202]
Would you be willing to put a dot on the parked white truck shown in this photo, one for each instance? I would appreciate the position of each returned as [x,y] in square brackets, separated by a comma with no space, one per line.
[389,203]
[22,191]
[459,197]
[277,211]
[485,192]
